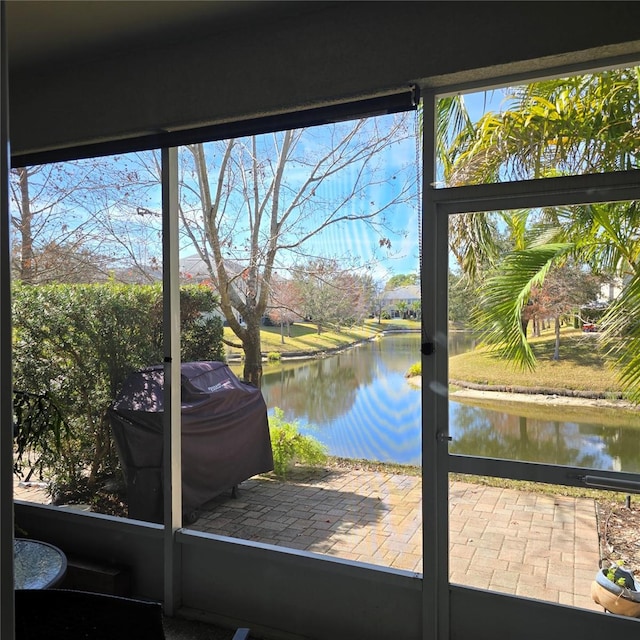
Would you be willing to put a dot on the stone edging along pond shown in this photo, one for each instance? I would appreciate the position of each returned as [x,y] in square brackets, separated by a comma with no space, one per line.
[312,355]
[541,395]
[547,391]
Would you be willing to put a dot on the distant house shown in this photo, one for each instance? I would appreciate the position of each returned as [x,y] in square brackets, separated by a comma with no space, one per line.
[194,269]
[400,301]
[609,291]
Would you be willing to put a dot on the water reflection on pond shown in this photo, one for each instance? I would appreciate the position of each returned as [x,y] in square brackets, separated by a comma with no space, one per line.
[581,442]
[361,406]
[358,401]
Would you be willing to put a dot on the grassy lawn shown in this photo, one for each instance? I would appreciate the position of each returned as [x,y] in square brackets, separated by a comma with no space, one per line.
[582,365]
[305,338]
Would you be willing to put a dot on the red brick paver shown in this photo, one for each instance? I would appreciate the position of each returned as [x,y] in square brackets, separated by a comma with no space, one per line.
[529,544]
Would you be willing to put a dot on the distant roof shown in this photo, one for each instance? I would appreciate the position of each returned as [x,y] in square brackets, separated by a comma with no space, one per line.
[194,266]
[408,292]
[197,268]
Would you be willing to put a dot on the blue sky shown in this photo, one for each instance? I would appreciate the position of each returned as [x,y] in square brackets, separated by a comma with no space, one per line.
[354,242]
[390,175]
[479,103]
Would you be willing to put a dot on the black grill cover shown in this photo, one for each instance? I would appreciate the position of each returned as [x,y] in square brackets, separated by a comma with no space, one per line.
[225,435]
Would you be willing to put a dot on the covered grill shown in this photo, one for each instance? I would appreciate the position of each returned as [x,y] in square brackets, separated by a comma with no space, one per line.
[225,436]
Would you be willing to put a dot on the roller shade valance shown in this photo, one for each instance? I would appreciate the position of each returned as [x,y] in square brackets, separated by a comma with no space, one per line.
[380,105]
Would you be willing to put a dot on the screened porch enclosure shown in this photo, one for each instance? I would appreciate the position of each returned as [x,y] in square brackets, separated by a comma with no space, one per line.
[201,80]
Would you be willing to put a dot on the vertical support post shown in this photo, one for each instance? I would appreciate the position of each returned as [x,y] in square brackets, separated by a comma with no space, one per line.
[7,615]
[172,428]
[435,479]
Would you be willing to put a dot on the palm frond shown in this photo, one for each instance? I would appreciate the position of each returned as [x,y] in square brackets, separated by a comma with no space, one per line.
[472,242]
[504,296]
[621,334]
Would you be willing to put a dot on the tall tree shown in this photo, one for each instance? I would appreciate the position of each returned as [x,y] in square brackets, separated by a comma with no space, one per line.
[402,280]
[285,306]
[470,235]
[565,289]
[377,290]
[329,295]
[250,205]
[579,124]
[462,297]
[77,221]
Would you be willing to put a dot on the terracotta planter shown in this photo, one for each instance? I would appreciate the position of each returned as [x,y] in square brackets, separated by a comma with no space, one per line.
[614,598]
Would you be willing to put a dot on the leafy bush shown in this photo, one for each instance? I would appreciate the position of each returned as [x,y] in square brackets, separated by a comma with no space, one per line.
[274,356]
[76,344]
[41,427]
[290,446]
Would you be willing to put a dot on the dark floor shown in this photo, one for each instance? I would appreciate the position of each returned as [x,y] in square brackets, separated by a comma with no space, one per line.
[181,629]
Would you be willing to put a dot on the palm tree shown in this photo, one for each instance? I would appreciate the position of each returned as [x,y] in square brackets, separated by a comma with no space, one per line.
[568,126]
[470,235]
[576,125]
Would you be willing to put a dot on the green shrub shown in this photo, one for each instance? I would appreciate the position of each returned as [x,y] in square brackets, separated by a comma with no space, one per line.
[290,446]
[274,356]
[75,345]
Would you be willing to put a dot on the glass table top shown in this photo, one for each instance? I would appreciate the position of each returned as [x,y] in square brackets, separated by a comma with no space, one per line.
[37,565]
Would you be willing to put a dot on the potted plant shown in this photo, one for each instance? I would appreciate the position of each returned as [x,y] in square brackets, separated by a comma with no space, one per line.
[616,589]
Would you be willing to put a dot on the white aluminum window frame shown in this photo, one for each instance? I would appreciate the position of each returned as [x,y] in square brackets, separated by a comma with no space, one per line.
[437,205]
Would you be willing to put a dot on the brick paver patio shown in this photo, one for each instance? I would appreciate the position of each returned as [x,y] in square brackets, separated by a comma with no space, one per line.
[529,544]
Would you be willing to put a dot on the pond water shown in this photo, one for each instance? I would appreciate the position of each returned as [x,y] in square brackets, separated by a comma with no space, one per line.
[360,405]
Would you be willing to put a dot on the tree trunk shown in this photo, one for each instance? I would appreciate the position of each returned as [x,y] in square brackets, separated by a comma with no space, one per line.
[252,355]
[26,239]
[556,352]
[101,441]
